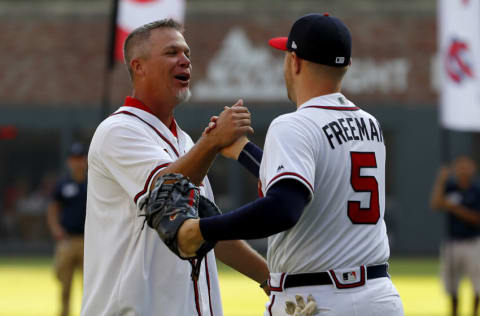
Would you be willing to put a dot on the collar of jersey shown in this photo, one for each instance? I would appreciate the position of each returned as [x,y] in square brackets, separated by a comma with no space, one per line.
[131,101]
[328,100]
[136,107]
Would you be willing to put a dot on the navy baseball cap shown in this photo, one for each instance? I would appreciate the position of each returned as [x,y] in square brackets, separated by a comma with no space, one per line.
[319,38]
[77,149]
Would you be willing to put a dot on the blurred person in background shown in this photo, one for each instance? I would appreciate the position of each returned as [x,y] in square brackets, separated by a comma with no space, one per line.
[66,220]
[15,192]
[32,207]
[456,192]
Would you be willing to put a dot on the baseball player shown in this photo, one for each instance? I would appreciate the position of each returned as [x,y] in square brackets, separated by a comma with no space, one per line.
[66,220]
[128,269]
[322,178]
[456,191]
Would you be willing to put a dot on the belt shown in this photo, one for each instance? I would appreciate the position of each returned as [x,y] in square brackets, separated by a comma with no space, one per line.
[323,278]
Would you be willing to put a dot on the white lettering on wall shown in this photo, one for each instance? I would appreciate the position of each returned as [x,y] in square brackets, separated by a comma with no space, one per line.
[240,70]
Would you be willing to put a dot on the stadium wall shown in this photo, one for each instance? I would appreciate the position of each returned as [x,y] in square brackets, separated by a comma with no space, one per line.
[51,83]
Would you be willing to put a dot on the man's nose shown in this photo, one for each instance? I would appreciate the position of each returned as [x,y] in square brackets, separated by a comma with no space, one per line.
[185,61]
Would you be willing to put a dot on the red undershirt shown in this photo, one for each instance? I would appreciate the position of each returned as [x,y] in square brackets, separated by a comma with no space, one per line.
[135,103]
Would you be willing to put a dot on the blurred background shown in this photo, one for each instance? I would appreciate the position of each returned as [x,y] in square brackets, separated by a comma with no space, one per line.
[57,83]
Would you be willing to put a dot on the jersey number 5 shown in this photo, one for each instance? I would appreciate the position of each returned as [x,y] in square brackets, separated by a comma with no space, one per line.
[360,183]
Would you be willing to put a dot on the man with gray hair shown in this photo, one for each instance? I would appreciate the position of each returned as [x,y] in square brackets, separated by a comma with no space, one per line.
[127,268]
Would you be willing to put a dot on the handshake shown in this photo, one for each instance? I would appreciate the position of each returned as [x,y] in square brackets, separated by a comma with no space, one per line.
[228,131]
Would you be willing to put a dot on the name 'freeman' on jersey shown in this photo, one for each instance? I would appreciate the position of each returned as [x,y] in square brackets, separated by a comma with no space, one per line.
[348,129]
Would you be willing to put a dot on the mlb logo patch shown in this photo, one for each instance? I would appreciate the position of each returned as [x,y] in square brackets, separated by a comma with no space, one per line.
[349,276]
[339,60]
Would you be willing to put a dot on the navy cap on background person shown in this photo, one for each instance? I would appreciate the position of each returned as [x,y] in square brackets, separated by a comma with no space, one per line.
[77,149]
[319,38]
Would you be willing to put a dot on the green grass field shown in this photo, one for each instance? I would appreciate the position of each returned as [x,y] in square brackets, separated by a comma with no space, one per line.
[28,288]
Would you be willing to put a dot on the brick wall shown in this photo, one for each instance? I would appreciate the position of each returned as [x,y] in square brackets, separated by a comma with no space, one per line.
[59,59]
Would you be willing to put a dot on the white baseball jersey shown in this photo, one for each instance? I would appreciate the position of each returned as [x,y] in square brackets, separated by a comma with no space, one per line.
[337,151]
[128,270]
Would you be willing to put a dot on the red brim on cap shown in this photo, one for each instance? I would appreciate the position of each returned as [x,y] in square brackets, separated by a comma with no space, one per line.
[279,43]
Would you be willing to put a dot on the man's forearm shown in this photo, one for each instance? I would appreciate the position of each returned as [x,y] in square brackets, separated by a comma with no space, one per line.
[465,214]
[278,211]
[437,197]
[53,220]
[195,163]
[241,257]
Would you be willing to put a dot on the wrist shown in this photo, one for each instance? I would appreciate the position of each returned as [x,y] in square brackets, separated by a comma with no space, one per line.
[208,142]
[242,142]
[193,234]
[265,287]
[196,234]
[189,237]
[264,284]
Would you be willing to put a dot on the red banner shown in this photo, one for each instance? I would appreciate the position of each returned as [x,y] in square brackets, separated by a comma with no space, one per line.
[134,13]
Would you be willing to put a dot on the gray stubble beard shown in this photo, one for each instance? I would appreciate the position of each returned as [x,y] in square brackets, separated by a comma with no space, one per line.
[184,95]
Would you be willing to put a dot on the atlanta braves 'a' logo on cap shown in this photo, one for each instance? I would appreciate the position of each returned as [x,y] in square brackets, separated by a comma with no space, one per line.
[458,63]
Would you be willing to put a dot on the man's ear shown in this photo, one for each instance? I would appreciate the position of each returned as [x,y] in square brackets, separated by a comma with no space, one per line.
[138,67]
[296,63]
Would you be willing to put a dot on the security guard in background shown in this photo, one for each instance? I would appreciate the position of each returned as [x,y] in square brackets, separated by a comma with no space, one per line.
[66,220]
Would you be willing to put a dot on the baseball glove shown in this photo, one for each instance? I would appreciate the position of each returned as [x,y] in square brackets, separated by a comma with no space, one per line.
[173,200]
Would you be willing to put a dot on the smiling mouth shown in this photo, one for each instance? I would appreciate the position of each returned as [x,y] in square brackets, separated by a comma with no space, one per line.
[183,78]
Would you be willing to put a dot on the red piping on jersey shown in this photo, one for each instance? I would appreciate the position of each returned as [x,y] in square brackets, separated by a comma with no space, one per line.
[145,188]
[259,188]
[153,127]
[208,285]
[271,305]
[337,108]
[279,288]
[291,174]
